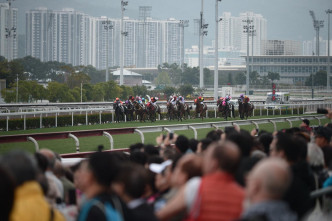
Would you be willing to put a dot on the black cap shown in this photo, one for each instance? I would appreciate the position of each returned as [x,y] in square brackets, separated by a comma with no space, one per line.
[306,121]
[324,132]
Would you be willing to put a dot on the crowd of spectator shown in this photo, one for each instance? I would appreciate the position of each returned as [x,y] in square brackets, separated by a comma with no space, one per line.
[231,174]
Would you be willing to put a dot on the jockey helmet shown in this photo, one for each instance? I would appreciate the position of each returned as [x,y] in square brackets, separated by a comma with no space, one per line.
[126,102]
[199,97]
[156,98]
[174,97]
[143,99]
[117,99]
[241,95]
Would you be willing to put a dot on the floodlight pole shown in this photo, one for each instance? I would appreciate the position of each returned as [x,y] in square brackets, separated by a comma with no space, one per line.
[247,29]
[328,12]
[201,74]
[107,27]
[122,33]
[216,54]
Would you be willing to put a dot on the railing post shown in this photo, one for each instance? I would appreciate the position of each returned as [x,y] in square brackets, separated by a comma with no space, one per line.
[34,142]
[215,113]
[256,124]
[260,111]
[77,142]
[86,118]
[274,125]
[41,121]
[99,117]
[56,119]
[141,134]
[112,116]
[72,118]
[195,131]
[109,136]
[168,130]
[290,123]
[215,126]
[25,122]
[319,122]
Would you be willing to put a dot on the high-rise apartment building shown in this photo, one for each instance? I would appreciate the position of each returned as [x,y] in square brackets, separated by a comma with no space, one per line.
[232,36]
[76,38]
[8,31]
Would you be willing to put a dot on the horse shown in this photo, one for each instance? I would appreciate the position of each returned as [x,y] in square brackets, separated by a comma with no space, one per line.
[140,110]
[171,110]
[182,109]
[152,109]
[129,110]
[245,109]
[200,109]
[225,108]
[119,111]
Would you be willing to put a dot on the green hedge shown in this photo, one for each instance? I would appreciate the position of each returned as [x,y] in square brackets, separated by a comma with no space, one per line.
[80,119]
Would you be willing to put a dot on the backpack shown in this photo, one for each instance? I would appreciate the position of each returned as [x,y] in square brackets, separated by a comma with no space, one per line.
[110,213]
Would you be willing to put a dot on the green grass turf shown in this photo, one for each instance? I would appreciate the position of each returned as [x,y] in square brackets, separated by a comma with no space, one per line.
[120,141]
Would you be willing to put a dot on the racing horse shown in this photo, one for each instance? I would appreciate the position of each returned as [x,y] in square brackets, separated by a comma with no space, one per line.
[129,110]
[140,111]
[171,110]
[119,111]
[245,109]
[225,108]
[152,109]
[200,109]
[182,110]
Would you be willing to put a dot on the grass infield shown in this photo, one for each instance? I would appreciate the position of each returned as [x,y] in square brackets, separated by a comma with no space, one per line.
[124,141]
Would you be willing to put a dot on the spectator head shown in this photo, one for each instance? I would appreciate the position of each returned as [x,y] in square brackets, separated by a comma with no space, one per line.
[305,123]
[151,150]
[265,139]
[49,154]
[187,167]
[131,182]
[42,162]
[223,155]
[193,145]
[215,135]
[138,157]
[21,165]
[136,147]
[244,141]
[59,170]
[163,173]
[288,147]
[7,188]
[323,136]
[268,180]
[203,145]
[182,144]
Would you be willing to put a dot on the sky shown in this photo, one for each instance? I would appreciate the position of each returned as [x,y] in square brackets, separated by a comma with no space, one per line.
[286,19]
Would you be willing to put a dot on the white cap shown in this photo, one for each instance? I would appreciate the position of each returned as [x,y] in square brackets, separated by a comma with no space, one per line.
[158,168]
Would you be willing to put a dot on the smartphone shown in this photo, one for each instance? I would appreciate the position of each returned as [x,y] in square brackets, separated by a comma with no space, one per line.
[321,111]
[257,130]
[171,135]
[72,197]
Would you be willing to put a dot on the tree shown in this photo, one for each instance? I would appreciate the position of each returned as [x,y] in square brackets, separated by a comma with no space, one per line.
[254,78]
[208,76]
[230,79]
[273,76]
[265,80]
[319,79]
[190,76]
[140,90]
[58,92]
[75,79]
[240,78]
[186,90]
[163,79]
[126,92]
[168,91]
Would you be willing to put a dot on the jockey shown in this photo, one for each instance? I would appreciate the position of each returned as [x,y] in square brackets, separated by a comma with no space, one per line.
[117,101]
[246,99]
[200,99]
[228,98]
[181,100]
[241,98]
[143,100]
[173,100]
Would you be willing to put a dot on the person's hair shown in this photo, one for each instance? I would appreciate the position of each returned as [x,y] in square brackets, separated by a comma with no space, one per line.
[42,162]
[193,144]
[227,161]
[58,169]
[21,165]
[104,166]
[266,139]
[275,186]
[151,150]
[243,140]
[306,121]
[215,135]
[182,143]
[138,157]
[205,143]
[7,188]
[134,178]
[292,150]
[136,147]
